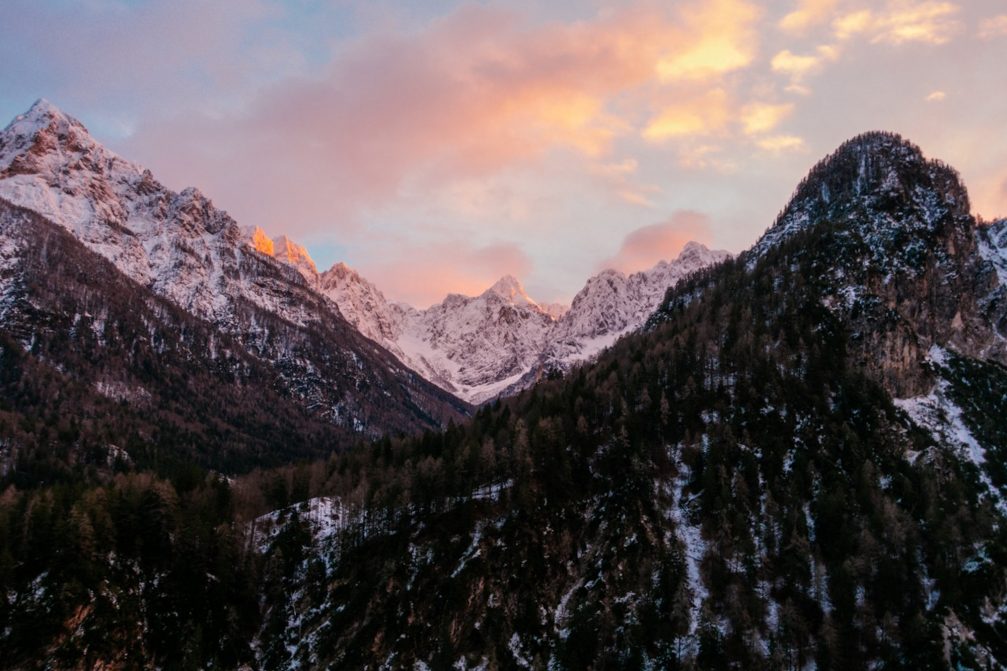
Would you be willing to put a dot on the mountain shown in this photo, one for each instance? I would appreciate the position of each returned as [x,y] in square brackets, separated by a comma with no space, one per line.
[501,341]
[611,305]
[913,268]
[797,463]
[262,332]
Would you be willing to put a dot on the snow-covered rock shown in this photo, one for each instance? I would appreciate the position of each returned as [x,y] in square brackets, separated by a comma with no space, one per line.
[612,304]
[178,244]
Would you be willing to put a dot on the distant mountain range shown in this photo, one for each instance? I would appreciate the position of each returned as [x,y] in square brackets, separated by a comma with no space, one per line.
[502,341]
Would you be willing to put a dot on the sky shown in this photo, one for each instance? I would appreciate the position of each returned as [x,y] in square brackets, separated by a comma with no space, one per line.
[437,145]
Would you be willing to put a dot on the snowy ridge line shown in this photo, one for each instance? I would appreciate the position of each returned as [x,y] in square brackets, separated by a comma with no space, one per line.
[501,341]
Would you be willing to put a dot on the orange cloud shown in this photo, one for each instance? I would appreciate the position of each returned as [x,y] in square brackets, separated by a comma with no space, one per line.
[645,246]
[902,21]
[807,14]
[778,144]
[470,95]
[799,66]
[700,115]
[724,40]
[759,118]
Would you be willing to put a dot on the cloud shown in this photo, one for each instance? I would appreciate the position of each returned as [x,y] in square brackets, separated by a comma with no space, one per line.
[799,66]
[778,144]
[725,41]
[993,27]
[645,246]
[807,14]
[853,23]
[759,118]
[705,157]
[619,178]
[477,92]
[426,273]
[936,97]
[700,115]
[902,21]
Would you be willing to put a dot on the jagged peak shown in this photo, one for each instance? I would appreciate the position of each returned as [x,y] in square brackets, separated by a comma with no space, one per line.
[282,249]
[509,288]
[607,272]
[260,241]
[45,130]
[43,106]
[41,114]
[339,273]
[288,251]
[341,269]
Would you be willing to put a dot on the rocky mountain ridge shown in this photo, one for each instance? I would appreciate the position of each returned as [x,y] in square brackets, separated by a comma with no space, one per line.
[181,248]
[501,341]
[909,255]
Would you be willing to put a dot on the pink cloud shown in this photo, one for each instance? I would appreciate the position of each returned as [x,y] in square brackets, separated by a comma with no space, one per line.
[645,246]
[474,93]
[428,273]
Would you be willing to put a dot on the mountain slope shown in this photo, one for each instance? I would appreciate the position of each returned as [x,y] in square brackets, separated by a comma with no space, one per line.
[179,248]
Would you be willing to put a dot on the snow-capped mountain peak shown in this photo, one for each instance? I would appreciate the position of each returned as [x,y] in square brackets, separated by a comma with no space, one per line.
[363,305]
[511,290]
[43,116]
[285,250]
[288,251]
